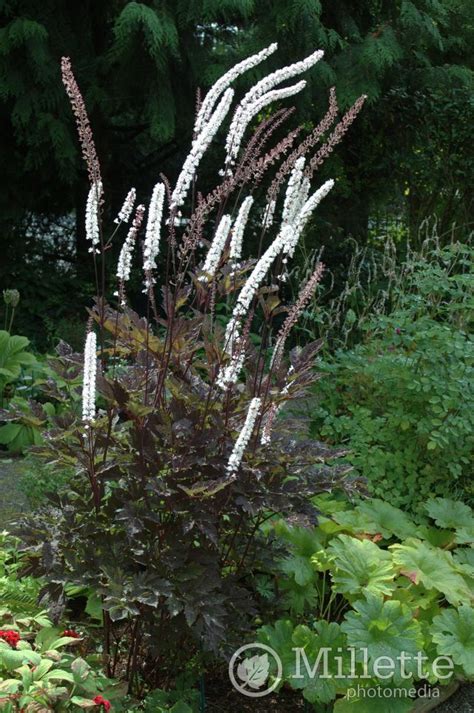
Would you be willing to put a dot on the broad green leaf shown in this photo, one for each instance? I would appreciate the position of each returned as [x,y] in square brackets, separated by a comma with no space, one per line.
[59,675]
[465,535]
[434,568]
[42,669]
[453,632]
[63,641]
[9,685]
[12,659]
[450,513]
[80,669]
[299,568]
[359,565]
[325,635]
[384,628]
[376,516]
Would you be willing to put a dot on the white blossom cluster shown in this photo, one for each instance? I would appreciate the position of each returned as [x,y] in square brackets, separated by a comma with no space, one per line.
[153,232]
[198,148]
[92,215]
[217,247]
[124,264]
[230,373]
[284,243]
[296,192]
[252,286]
[304,213]
[89,378]
[239,229]
[262,94]
[225,81]
[244,436]
[269,214]
[243,117]
[126,210]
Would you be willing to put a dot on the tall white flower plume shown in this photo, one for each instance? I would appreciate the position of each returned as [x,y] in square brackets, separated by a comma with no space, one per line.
[89,378]
[225,81]
[153,233]
[239,229]
[304,213]
[217,246]
[244,436]
[198,148]
[126,210]
[285,243]
[244,115]
[124,264]
[92,222]
[261,94]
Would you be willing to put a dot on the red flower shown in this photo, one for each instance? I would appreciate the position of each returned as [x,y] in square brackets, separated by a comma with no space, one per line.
[71,633]
[101,701]
[11,637]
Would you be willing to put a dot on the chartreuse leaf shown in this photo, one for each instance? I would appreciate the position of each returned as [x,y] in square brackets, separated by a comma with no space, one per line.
[450,514]
[378,517]
[383,628]
[433,568]
[453,632]
[359,565]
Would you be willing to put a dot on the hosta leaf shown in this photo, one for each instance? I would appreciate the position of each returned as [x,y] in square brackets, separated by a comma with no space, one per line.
[450,513]
[384,628]
[359,565]
[453,632]
[434,568]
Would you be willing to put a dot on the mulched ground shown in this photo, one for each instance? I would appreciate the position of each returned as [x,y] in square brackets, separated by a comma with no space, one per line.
[227,700]
[461,702]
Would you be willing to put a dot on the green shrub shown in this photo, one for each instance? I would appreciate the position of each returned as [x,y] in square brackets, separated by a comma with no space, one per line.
[403,400]
[370,577]
[38,480]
